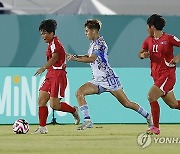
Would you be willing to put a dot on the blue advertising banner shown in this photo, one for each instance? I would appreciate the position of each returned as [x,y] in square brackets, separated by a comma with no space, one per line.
[19,93]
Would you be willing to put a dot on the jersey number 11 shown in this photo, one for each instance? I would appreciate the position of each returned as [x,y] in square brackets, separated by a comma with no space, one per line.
[155,48]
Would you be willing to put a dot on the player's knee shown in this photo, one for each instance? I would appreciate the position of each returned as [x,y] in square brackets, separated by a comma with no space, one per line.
[173,106]
[41,102]
[79,94]
[151,98]
[54,106]
[127,104]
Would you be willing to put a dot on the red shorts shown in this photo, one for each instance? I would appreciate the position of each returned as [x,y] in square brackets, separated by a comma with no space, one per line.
[165,81]
[55,83]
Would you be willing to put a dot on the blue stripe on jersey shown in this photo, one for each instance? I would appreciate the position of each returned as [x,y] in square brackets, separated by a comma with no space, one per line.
[101,54]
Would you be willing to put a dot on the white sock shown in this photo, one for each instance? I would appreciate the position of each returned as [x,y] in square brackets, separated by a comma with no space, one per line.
[143,112]
[85,112]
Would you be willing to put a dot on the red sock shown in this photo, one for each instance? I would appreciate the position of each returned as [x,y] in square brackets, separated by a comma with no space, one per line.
[43,114]
[66,108]
[155,111]
[178,105]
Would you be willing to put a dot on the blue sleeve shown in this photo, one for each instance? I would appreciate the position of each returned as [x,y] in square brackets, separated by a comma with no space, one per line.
[96,52]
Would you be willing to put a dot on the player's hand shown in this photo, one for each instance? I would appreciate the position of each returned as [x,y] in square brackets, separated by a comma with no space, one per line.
[174,61]
[40,71]
[68,56]
[145,55]
[74,57]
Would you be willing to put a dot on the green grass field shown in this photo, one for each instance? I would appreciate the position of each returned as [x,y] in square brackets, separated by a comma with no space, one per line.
[102,139]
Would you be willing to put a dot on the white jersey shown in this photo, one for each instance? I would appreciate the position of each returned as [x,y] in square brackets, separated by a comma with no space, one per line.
[101,70]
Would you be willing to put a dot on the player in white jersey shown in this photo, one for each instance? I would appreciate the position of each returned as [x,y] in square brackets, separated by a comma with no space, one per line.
[104,78]
[103,75]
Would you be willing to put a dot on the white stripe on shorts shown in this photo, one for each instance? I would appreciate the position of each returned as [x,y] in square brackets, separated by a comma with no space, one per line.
[59,92]
[162,86]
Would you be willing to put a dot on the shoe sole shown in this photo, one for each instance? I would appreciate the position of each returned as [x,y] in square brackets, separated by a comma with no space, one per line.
[39,133]
[152,133]
[84,128]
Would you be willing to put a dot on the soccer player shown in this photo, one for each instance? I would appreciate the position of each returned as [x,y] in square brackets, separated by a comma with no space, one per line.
[104,78]
[158,47]
[54,85]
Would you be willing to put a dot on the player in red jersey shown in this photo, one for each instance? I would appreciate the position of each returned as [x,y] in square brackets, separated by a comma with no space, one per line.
[158,47]
[54,85]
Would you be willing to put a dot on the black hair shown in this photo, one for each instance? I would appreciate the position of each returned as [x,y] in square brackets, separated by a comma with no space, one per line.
[49,25]
[93,24]
[157,21]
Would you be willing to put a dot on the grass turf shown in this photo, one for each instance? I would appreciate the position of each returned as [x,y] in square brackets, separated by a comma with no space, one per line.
[102,139]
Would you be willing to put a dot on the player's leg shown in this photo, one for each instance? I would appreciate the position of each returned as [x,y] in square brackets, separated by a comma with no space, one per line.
[61,106]
[43,112]
[57,92]
[56,104]
[122,98]
[154,94]
[86,89]
[169,97]
[171,101]
[162,86]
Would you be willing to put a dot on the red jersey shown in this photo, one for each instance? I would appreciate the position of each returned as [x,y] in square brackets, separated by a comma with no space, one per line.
[161,52]
[55,46]
[55,82]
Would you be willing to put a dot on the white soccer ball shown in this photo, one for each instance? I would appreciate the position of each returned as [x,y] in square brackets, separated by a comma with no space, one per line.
[21,126]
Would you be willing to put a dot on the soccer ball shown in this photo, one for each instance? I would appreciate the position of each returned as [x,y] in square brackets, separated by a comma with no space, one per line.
[21,126]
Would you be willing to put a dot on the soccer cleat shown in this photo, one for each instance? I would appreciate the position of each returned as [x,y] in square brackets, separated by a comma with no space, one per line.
[149,121]
[153,130]
[85,125]
[41,130]
[76,116]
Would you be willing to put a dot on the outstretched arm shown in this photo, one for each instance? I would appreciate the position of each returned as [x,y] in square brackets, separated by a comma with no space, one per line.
[84,58]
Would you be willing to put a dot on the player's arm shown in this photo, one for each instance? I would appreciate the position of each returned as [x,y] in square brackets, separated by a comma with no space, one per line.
[78,56]
[175,42]
[175,60]
[70,56]
[50,62]
[84,58]
[143,54]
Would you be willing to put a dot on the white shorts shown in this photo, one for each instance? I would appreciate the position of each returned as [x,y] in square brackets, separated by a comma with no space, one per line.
[112,84]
